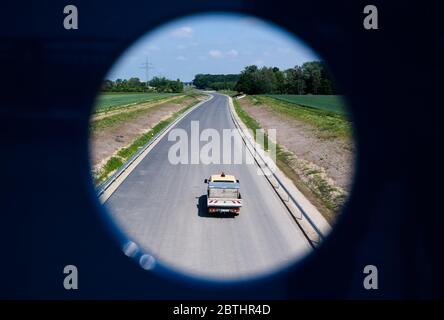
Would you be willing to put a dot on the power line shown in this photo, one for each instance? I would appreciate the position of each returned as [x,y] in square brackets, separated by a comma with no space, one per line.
[147,66]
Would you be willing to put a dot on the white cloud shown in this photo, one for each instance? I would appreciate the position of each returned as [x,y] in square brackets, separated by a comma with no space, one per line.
[181,58]
[215,53]
[232,53]
[183,32]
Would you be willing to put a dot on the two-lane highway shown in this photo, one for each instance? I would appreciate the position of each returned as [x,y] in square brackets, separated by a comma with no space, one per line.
[162,207]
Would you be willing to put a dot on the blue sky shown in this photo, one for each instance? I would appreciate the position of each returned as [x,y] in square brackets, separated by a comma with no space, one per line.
[211,44]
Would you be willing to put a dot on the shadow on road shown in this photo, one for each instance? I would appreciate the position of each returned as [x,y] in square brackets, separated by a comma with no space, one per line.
[202,209]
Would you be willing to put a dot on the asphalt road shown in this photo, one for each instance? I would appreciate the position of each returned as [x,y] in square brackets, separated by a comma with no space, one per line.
[162,207]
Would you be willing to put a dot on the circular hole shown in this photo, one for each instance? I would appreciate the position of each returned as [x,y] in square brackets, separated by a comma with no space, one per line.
[221,148]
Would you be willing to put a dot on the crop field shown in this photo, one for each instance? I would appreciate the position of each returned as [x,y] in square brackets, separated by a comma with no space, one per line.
[110,101]
[332,103]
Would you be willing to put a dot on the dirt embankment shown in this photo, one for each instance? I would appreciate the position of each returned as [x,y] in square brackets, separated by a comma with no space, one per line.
[106,141]
[325,165]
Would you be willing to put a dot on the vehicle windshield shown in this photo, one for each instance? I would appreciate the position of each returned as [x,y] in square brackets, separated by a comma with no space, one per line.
[227,181]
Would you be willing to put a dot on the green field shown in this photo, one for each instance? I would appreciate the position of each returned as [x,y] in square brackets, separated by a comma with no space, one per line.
[332,103]
[110,101]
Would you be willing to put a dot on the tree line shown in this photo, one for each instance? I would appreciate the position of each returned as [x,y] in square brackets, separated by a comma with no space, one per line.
[162,84]
[309,78]
[215,81]
[157,84]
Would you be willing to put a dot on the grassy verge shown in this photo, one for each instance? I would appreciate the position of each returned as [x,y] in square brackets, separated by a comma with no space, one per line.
[329,124]
[230,93]
[251,123]
[313,182]
[124,154]
[113,101]
[189,94]
[310,179]
[116,118]
[130,113]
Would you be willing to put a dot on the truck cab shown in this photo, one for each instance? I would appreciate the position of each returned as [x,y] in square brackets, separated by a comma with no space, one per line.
[223,194]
